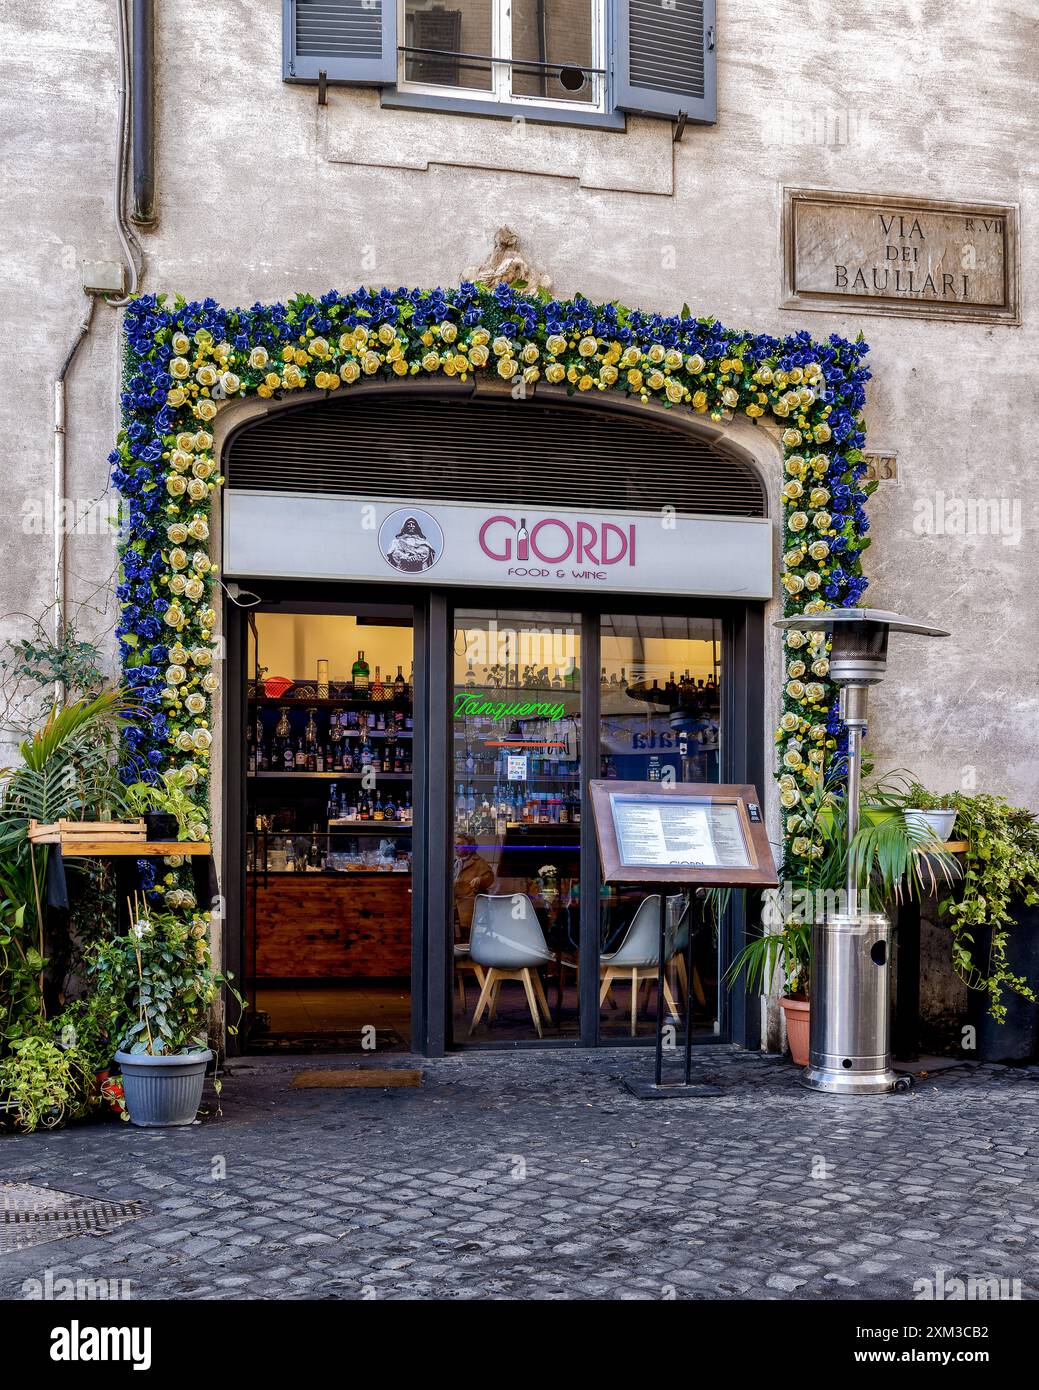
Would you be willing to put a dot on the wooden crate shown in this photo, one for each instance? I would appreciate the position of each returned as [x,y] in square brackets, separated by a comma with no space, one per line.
[69,832]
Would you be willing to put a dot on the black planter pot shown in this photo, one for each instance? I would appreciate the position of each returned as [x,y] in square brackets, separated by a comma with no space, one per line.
[160,826]
[1016,1040]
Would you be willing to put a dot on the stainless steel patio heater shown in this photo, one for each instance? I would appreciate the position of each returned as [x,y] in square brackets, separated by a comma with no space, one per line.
[849,1041]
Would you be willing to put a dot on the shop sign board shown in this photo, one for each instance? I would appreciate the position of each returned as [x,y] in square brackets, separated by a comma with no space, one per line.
[329,536]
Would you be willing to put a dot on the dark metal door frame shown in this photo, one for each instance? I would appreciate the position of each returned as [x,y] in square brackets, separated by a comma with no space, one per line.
[432,615]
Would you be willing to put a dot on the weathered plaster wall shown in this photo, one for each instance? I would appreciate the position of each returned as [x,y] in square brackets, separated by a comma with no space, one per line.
[261,194]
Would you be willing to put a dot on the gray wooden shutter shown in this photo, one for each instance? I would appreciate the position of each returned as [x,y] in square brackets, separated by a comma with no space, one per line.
[664,59]
[349,40]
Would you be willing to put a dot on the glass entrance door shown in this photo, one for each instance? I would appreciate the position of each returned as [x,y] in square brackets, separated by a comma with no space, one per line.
[660,721]
[517,809]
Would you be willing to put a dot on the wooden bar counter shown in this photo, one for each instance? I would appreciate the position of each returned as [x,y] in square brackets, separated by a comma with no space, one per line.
[326,926]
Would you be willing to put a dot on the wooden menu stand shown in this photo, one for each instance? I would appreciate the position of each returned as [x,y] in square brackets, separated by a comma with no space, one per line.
[663,836]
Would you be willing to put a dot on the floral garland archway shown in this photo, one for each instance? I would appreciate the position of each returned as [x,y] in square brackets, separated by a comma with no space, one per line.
[183,360]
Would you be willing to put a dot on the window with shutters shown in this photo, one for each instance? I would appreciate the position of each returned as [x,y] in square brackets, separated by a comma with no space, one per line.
[543,52]
[577,61]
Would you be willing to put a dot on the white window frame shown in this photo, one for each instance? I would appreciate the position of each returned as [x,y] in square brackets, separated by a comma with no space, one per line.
[500,91]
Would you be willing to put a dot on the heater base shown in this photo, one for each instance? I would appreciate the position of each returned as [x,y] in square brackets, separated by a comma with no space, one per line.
[850,1083]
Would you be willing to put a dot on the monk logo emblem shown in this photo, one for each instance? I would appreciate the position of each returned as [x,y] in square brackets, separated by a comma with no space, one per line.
[411,540]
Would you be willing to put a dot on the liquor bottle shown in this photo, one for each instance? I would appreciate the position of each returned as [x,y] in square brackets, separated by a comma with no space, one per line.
[522,541]
[564,808]
[399,685]
[250,749]
[364,753]
[288,758]
[470,677]
[389,809]
[376,685]
[310,740]
[332,809]
[319,756]
[405,811]
[460,806]
[377,810]
[410,691]
[604,679]
[360,672]
[575,805]
[502,821]
[470,800]
[376,762]
[301,755]
[406,764]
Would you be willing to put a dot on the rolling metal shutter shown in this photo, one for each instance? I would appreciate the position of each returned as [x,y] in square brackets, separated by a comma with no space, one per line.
[492,452]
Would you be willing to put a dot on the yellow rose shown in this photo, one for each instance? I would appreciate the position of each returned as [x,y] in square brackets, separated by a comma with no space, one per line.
[194,589]
[195,704]
[180,368]
[531,374]
[793,583]
[350,371]
[796,670]
[675,391]
[229,383]
[655,381]
[700,400]
[586,382]
[792,758]
[630,357]
[387,333]
[555,372]
[206,376]
[197,489]
[176,396]
[789,722]
[174,616]
[556,344]
[655,353]
[371,363]
[814,691]
[821,521]
[479,355]
[797,521]
[479,337]
[792,490]
[530,353]
[448,331]
[180,343]
[793,557]
[673,359]
[694,364]
[820,496]
[821,667]
[205,410]
[791,439]
[795,690]
[608,374]
[178,559]
[176,486]
[201,740]
[821,433]
[201,656]
[812,580]
[501,346]
[763,375]
[210,682]
[795,639]
[587,347]
[198,528]
[635,378]
[431,361]
[258,357]
[319,347]
[819,550]
[202,467]
[293,377]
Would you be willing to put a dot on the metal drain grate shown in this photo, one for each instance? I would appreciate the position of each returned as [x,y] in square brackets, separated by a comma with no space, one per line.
[34,1215]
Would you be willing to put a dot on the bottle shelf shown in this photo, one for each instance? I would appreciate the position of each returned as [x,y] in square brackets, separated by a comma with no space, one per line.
[306,702]
[348,827]
[330,776]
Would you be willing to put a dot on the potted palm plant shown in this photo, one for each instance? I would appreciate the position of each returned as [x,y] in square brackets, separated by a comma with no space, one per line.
[783,957]
[169,810]
[161,974]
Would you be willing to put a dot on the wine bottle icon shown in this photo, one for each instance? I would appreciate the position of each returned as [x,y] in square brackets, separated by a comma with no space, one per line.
[522,544]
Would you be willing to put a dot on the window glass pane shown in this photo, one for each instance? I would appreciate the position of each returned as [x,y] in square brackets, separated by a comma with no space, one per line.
[558,33]
[660,689]
[436,34]
[516,798]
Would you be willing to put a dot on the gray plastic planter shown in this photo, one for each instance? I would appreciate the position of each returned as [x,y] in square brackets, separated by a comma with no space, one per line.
[163,1090]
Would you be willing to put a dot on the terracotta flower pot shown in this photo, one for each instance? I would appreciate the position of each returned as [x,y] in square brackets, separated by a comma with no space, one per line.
[796,1013]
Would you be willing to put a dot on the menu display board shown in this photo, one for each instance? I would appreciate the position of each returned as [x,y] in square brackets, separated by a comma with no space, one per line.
[702,833]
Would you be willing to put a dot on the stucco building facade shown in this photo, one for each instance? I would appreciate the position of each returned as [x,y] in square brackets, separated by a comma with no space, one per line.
[262,191]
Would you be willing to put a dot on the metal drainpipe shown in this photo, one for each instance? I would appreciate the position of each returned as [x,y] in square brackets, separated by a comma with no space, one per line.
[60,471]
[142,96]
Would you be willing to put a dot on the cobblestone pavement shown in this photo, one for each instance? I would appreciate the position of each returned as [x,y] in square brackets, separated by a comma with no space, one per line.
[535,1175]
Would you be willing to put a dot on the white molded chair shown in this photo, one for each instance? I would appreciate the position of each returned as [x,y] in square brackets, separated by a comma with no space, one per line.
[508,944]
[637,958]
